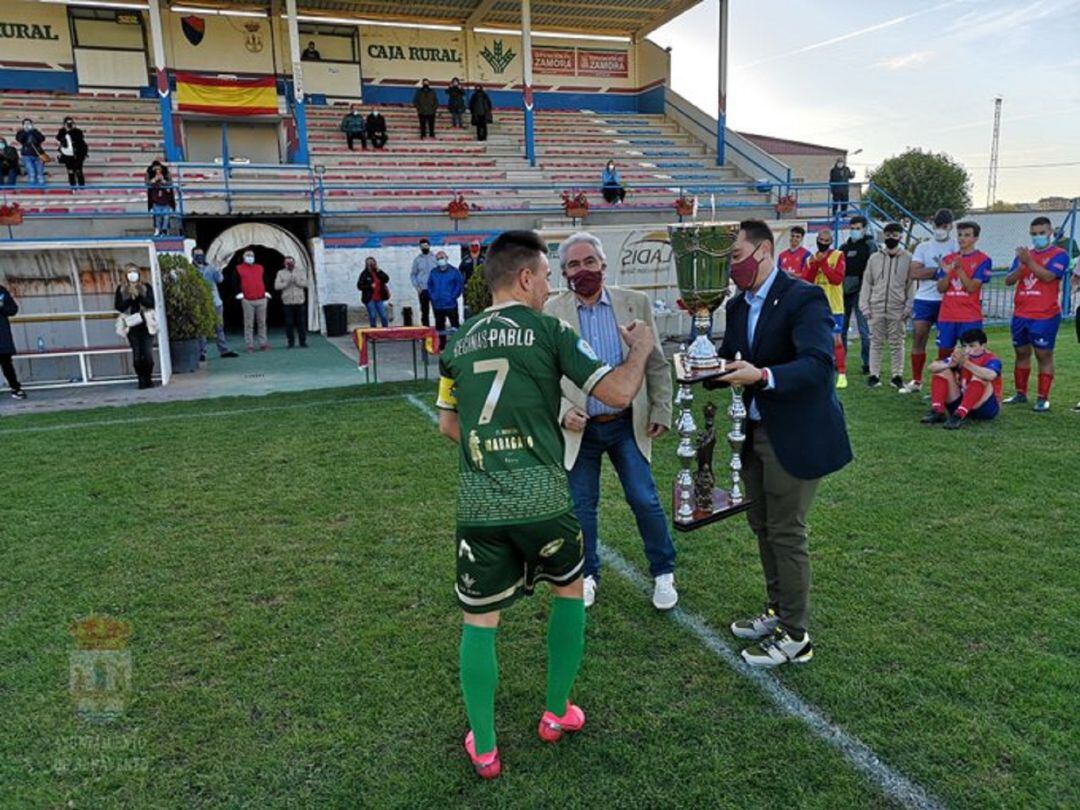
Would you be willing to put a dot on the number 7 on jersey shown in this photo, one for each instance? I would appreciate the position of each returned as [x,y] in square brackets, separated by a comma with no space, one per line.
[501,367]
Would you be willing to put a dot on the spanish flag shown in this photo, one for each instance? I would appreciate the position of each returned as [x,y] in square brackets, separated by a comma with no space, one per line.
[226,95]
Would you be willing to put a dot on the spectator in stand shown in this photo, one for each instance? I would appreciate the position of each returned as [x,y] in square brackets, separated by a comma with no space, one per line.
[472,262]
[967,383]
[310,54]
[374,287]
[611,184]
[159,196]
[927,304]
[858,249]
[353,125]
[1075,288]
[826,269]
[445,286]
[9,164]
[960,279]
[839,178]
[9,308]
[73,151]
[422,266]
[480,109]
[793,260]
[213,277]
[376,129]
[293,283]
[134,300]
[426,102]
[456,103]
[885,302]
[1037,274]
[31,139]
[253,296]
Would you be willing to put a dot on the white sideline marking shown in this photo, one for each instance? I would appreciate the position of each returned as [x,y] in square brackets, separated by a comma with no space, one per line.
[894,785]
[179,417]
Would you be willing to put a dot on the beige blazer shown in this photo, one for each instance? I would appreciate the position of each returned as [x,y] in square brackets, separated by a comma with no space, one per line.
[653,401]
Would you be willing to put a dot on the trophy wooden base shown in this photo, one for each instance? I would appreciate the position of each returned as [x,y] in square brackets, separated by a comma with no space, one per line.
[722,507]
[687,375]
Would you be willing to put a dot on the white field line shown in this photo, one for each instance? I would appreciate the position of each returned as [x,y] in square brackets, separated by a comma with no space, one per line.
[893,784]
[180,417]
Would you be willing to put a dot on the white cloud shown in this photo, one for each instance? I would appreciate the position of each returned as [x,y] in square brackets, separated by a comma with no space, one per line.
[907,60]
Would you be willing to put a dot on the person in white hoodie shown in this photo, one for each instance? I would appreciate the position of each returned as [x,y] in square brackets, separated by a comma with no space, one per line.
[885,301]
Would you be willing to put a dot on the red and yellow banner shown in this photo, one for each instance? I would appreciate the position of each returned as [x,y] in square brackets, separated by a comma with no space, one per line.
[226,95]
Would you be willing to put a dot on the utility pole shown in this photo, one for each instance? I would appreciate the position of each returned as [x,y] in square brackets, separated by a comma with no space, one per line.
[991,185]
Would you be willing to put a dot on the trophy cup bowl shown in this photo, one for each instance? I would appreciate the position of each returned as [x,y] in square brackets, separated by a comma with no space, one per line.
[702,256]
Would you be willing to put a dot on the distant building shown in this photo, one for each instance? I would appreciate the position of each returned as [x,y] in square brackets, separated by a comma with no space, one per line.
[1053,204]
[809,162]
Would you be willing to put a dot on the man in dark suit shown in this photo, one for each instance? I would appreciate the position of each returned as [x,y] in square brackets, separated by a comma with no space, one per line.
[782,328]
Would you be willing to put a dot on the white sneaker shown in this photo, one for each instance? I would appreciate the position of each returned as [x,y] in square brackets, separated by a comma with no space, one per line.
[912,387]
[664,595]
[777,649]
[590,591]
[757,627]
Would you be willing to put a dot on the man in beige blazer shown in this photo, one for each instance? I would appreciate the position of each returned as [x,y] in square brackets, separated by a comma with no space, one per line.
[592,429]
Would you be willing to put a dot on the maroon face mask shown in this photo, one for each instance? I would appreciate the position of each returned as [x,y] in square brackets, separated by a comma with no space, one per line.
[744,271]
[586,282]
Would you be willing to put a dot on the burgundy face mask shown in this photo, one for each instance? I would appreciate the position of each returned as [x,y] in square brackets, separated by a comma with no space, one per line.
[744,271]
[586,282]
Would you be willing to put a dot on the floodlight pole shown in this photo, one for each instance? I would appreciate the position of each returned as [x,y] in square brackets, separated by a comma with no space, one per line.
[299,110]
[721,101]
[527,77]
[157,43]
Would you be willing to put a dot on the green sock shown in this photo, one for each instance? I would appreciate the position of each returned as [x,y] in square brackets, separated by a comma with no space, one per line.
[479,678]
[566,646]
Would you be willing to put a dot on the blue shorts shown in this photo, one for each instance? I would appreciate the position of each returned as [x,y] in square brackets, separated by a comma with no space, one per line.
[1038,332]
[925,310]
[949,332]
[988,410]
[838,324]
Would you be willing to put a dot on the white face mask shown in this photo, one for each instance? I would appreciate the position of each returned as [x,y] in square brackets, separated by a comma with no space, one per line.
[249,259]
[28,127]
[941,234]
[133,276]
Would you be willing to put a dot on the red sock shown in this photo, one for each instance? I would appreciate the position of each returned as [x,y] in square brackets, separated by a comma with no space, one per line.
[841,358]
[918,360]
[972,395]
[1045,381]
[1020,378]
[943,353]
[939,391]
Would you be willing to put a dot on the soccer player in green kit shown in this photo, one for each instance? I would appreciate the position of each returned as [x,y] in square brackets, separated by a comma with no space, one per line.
[499,397]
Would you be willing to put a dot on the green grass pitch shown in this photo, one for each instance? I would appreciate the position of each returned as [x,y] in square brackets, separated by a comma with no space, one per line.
[286,565]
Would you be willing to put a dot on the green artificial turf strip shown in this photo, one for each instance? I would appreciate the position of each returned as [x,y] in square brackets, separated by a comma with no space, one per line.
[288,577]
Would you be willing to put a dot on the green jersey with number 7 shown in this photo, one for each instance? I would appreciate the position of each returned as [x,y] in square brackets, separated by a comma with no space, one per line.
[501,373]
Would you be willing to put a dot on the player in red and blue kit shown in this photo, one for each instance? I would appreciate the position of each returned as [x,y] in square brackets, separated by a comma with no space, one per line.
[960,280]
[793,260]
[966,384]
[1037,275]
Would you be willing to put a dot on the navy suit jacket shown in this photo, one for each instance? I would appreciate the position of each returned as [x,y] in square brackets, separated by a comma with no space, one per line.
[794,340]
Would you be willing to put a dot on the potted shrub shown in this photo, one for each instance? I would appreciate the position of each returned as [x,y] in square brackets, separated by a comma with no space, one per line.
[458,208]
[785,205]
[11,214]
[576,206]
[684,206]
[477,294]
[189,311]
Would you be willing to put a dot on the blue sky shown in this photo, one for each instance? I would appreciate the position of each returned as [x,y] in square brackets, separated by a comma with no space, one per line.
[883,76]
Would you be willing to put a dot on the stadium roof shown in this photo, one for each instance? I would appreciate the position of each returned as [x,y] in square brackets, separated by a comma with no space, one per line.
[628,18]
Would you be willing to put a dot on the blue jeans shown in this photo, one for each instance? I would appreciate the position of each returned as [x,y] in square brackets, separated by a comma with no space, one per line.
[219,329]
[617,440]
[377,309]
[161,217]
[851,302]
[35,170]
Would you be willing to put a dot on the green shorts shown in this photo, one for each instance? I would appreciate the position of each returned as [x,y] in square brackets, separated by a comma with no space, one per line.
[496,565]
